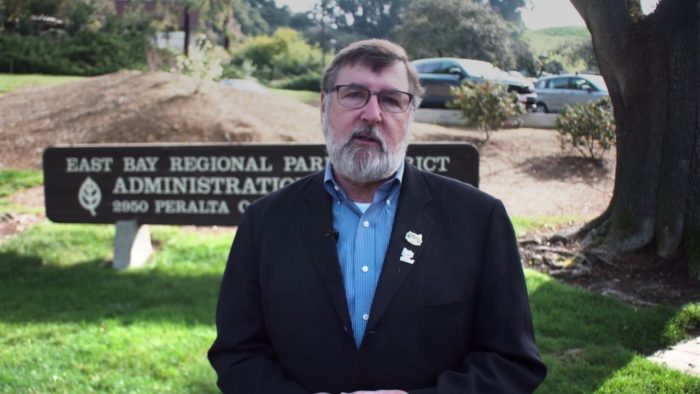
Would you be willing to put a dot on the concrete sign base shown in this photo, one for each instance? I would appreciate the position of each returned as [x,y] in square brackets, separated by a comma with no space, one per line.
[132,245]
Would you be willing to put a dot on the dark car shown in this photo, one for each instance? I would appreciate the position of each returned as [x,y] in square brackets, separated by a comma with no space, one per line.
[557,91]
[438,75]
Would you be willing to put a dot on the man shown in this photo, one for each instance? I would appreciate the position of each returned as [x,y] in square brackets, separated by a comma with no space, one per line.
[374,275]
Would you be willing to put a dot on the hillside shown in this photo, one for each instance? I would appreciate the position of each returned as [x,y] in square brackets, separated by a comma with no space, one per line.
[546,40]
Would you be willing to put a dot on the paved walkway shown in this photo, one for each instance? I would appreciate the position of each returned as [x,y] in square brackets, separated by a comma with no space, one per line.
[684,356]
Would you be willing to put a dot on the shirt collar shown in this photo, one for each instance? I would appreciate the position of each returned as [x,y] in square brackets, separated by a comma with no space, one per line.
[336,191]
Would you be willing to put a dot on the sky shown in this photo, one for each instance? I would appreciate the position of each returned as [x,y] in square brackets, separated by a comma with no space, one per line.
[544,13]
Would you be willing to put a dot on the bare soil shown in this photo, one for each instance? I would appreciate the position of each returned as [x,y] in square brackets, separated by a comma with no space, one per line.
[525,168]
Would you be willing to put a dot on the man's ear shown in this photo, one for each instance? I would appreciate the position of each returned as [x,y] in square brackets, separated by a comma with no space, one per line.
[323,102]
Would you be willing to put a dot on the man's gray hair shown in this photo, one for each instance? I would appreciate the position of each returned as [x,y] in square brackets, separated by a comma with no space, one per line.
[376,54]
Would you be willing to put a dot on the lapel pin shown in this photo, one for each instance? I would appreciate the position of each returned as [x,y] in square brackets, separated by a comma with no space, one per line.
[407,256]
[414,239]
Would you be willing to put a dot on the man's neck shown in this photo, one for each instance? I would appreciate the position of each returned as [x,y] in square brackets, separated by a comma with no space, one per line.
[358,192]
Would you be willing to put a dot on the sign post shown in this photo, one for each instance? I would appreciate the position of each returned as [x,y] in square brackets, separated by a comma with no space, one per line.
[132,245]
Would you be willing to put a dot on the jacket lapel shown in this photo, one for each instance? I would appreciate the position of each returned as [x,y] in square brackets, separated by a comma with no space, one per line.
[316,226]
[410,216]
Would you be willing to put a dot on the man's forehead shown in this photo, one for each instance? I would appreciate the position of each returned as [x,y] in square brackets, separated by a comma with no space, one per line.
[393,75]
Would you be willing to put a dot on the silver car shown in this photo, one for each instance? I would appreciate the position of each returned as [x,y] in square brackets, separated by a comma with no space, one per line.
[556,91]
[438,75]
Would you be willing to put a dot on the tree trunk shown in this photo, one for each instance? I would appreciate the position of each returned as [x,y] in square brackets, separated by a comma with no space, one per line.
[650,64]
[187,31]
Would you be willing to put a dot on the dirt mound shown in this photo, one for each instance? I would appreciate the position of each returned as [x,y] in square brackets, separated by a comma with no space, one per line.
[144,107]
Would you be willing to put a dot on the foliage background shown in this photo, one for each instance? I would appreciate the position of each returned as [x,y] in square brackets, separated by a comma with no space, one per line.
[269,43]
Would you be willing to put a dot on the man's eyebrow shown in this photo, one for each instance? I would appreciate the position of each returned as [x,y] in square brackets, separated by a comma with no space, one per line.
[380,90]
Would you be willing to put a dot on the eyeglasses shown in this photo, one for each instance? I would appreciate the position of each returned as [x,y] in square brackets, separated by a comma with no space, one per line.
[356,96]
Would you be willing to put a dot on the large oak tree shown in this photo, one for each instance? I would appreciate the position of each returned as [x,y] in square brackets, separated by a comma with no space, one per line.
[456,28]
[650,64]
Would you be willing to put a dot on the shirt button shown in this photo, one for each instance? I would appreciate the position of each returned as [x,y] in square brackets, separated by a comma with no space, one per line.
[365,268]
[388,202]
[365,223]
[336,188]
[365,317]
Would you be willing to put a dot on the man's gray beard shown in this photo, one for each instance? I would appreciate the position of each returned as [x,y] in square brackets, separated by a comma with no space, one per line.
[361,163]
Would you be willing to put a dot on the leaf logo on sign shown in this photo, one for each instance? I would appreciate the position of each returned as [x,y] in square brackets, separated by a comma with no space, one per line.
[89,195]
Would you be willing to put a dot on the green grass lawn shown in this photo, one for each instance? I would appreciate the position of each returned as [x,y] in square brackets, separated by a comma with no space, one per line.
[12,181]
[10,82]
[72,324]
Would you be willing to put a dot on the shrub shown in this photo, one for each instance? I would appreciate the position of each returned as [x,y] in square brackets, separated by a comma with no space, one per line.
[85,53]
[310,81]
[590,128]
[204,61]
[237,71]
[283,55]
[485,104]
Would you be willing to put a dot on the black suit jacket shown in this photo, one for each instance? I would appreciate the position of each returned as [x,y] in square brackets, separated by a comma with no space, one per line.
[455,321]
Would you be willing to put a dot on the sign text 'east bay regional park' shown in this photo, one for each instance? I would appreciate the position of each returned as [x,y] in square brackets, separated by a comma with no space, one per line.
[198,184]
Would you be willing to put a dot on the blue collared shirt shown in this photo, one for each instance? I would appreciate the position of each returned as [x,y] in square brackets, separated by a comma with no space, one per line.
[363,238]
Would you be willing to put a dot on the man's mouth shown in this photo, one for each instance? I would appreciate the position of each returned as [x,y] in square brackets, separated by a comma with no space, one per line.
[366,139]
[367,136]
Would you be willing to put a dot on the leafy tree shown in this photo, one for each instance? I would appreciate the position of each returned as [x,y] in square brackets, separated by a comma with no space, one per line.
[368,18]
[80,15]
[508,9]
[465,29]
[524,59]
[485,104]
[249,18]
[283,54]
[275,16]
[228,20]
[581,52]
[302,21]
[550,64]
[589,128]
[651,65]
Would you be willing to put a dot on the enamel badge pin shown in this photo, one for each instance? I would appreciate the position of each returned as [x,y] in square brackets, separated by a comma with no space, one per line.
[414,239]
[407,256]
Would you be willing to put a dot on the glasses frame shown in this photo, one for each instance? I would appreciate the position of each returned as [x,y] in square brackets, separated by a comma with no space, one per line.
[337,88]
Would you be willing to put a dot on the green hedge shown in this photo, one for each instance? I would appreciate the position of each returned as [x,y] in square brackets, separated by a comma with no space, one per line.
[310,81]
[85,53]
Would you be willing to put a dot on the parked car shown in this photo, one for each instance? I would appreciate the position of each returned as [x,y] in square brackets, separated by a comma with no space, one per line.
[556,91]
[438,75]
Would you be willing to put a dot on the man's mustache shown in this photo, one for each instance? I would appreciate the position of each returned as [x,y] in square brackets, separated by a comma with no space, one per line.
[369,132]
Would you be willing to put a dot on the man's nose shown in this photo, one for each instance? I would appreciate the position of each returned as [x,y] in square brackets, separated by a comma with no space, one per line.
[372,112]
